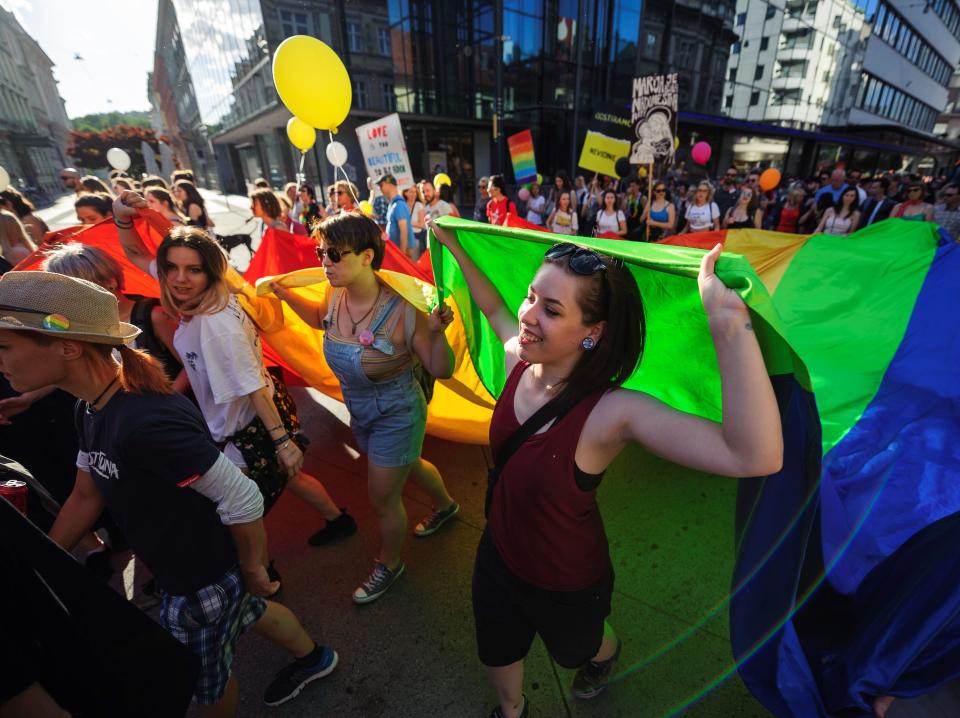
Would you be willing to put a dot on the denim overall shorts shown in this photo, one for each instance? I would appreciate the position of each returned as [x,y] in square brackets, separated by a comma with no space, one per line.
[388,418]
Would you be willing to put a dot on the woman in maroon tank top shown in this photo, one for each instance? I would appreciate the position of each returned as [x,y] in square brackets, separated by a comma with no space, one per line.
[581,329]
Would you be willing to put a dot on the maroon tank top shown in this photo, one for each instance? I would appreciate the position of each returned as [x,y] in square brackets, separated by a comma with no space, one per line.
[547,530]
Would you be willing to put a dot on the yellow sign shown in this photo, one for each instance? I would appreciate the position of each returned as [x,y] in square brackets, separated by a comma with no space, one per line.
[600,153]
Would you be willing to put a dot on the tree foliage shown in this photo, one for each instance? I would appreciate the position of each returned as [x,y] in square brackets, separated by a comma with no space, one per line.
[89,149]
[103,120]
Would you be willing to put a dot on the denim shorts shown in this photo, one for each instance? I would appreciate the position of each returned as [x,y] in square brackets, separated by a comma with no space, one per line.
[209,622]
[388,420]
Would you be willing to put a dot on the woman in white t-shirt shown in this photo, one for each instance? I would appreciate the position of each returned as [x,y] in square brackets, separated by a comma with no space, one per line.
[610,219]
[702,214]
[536,205]
[249,413]
[563,220]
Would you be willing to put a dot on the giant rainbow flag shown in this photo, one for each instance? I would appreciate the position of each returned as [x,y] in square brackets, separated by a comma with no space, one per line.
[845,579]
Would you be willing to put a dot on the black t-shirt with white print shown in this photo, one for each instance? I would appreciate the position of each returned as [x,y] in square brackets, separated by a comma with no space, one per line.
[143,451]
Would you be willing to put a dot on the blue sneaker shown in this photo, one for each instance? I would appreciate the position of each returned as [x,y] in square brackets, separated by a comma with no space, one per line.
[291,680]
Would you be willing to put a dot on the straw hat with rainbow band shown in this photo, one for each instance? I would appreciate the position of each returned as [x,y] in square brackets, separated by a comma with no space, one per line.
[61,306]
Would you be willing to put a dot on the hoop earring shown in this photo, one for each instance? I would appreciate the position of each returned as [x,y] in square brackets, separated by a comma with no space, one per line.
[588,343]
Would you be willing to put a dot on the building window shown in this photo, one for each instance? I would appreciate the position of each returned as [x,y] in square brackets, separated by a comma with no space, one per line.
[294,23]
[887,101]
[741,18]
[732,76]
[764,43]
[650,46]
[786,97]
[836,21]
[771,12]
[383,40]
[754,98]
[728,102]
[360,94]
[354,37]
[890,27]
[758,72]
[735,48]
[389,97]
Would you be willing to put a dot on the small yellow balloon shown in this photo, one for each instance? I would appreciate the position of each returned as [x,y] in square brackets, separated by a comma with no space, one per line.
[539,178]
[642,172]
[301,135]
[366,207]
[312,81]
[441,179]
[676,143]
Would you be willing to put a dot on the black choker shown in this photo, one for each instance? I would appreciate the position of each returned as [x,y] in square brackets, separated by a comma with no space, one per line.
[91,406]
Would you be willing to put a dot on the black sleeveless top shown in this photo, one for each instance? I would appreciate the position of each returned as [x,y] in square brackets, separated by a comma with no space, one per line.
[202,222]
[148,340]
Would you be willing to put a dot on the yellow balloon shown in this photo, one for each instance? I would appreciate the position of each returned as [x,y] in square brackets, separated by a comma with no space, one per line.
[366,207]
[312,81]
[539,178]
[642,171]
[301,135]
[676,143]
[442,178]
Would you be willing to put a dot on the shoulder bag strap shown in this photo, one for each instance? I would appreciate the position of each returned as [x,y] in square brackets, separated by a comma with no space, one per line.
[551,410]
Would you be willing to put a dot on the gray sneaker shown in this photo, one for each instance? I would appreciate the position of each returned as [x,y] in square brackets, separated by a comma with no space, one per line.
[432,523]
[377,583]
[591,679]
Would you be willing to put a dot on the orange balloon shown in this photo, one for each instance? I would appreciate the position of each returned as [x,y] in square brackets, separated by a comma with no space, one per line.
[769,179]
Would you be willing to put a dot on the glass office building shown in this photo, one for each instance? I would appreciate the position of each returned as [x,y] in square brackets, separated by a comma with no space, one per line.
[435,62]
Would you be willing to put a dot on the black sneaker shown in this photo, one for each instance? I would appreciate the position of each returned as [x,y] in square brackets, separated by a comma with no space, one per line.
[524,712]
[591,679]
[291,680]
[338,528]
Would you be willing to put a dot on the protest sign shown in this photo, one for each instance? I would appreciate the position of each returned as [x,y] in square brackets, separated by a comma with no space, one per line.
[384,151]
[654,117]
[600,153]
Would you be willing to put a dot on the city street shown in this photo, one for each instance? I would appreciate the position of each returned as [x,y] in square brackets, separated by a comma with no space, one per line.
[412,653]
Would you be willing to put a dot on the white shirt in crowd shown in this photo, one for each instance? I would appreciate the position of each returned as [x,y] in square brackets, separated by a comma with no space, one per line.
[224,361]
[564,223]
[535,206]
[435,211]
[701,217]
[609,222]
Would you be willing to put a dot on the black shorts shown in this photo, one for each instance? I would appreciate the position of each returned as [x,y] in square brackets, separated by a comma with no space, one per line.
[509,612]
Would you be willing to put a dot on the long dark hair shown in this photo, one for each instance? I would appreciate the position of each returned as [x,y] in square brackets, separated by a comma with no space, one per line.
[21,205]
[193,195]
[610,295]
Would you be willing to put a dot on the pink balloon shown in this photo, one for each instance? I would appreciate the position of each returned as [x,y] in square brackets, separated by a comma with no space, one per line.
[701,153]
[523,194]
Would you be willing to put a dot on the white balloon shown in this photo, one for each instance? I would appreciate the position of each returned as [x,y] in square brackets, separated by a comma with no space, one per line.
[4,179]
[118,159]
[336,154]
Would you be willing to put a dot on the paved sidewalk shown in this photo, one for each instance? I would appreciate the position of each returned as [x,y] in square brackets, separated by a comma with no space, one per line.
[411,654]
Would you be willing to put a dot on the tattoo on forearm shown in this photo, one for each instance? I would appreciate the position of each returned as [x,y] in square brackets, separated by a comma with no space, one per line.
[748,326]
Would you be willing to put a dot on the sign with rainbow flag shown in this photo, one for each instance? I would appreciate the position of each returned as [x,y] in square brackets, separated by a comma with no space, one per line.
[521,155]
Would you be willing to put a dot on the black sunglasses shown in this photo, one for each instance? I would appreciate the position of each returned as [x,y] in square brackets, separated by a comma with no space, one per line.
[583,261]
[333,253]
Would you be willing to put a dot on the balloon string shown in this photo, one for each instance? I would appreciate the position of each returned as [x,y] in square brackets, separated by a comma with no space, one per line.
[301,178]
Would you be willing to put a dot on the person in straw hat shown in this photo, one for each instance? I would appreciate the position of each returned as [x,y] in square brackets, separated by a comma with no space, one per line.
[147,456]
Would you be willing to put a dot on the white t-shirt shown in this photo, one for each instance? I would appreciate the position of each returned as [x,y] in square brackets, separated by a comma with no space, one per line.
[564,223]
[701,217]
[435,211]
[609,222]
[224,361]
[536,203]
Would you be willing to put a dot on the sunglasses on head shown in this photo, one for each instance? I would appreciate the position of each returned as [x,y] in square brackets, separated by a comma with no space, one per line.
[583,261]
[333,254]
